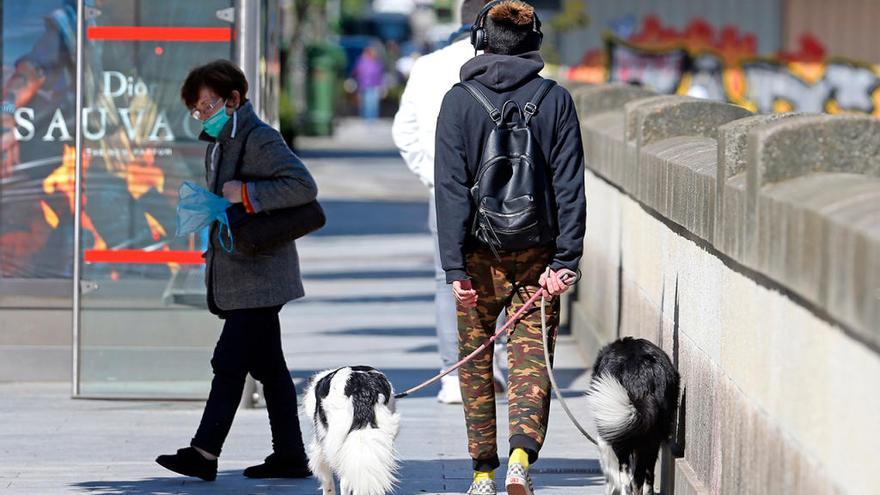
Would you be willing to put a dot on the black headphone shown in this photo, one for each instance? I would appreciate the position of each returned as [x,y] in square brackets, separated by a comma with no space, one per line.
[479,37]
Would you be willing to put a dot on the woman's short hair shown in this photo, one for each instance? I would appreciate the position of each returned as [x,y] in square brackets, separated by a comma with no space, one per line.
[221,76]
[509,28]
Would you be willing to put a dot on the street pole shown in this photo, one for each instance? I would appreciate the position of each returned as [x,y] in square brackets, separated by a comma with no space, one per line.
[77,202]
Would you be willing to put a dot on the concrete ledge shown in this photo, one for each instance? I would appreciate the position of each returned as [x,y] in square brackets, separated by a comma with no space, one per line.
[662,117]
[604,148]
[677,179]
[661,151]
[593,100]
[788,221]
[653,120]
[819,236]
[797,146]
[732,161]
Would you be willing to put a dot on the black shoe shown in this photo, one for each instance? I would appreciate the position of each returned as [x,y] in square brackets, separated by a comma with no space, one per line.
[276,466]
[189,462]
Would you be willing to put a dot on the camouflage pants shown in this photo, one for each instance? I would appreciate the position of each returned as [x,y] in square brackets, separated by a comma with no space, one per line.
[507,283]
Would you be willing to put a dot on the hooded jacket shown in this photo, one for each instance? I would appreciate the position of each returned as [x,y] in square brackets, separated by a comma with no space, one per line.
[462,129]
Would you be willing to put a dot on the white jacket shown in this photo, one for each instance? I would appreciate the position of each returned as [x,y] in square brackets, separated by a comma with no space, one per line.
[416,120]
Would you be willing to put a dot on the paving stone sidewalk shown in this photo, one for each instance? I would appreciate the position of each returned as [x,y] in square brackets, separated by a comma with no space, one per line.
[370,283]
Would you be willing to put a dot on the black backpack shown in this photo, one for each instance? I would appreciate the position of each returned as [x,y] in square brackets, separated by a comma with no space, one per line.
[512,193]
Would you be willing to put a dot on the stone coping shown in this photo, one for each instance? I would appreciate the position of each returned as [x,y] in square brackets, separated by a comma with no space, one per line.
[793,197]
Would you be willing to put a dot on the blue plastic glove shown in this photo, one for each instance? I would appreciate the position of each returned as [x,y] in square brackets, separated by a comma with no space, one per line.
[198,208]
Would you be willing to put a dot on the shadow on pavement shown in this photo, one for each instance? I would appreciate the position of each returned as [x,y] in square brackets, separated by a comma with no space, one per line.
[311,153]
[377,299]
[387,332]
[369,275]
[374,217]
[416,476]
[228,482]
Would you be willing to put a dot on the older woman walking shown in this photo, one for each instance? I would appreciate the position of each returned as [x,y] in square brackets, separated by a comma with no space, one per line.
[246,291]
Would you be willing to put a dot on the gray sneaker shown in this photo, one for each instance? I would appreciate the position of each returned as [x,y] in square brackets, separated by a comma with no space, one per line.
[483,487]
[518,481]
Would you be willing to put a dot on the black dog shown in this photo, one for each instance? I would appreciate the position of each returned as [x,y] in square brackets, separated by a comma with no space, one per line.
[634,397]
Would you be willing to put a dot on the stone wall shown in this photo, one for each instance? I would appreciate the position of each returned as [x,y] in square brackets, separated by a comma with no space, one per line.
[748,247]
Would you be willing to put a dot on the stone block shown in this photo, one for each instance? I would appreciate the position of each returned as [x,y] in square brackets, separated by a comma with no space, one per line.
[700,296]
[643,253]
[798,146]
[819,235]
[730,178]
[699,384]
[802,145]
[603,145]
[733,141]
[731,216]
[759,458]
[807,382]
[686,481]
[655,119]
[593,100]
[662,117]
[677,179]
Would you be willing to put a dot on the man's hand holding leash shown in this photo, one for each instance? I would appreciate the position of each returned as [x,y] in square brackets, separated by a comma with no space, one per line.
[556,282]
[464,292]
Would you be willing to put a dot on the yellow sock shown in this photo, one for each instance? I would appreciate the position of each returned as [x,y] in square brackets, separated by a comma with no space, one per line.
[519,456]
[484,475]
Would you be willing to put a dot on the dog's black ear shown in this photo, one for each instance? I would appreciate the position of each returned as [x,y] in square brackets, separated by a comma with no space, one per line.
[322,389]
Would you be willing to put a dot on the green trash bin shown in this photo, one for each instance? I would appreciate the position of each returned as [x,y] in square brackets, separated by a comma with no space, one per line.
[324,63]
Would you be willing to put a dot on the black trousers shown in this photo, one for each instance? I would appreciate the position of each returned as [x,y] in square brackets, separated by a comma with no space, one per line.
[251,343]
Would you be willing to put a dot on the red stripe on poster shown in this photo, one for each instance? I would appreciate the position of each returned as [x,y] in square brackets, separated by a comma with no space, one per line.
[159,33]
[137,256]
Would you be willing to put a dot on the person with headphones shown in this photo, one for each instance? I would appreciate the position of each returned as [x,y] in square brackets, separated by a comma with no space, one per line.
[414,128]
[498,249]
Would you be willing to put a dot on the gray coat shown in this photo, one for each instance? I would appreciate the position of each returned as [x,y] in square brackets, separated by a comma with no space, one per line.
[276,179]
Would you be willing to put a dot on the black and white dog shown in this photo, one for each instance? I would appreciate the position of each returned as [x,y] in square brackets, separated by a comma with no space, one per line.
[355,425]
[634,398]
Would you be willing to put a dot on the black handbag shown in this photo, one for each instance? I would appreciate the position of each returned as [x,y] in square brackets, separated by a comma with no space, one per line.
[267,230]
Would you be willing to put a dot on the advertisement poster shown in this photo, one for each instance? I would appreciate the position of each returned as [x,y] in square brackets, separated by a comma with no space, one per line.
[139,142]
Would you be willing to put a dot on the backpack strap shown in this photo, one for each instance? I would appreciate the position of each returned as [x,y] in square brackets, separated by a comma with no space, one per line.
[478,95]
[531,107]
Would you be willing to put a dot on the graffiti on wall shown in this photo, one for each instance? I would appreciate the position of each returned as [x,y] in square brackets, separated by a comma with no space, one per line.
[725,66]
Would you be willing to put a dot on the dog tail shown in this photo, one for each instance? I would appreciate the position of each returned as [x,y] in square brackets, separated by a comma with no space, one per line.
[367,458]
[614,412]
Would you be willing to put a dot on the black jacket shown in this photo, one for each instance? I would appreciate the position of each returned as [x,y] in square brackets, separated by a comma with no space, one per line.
[462,129]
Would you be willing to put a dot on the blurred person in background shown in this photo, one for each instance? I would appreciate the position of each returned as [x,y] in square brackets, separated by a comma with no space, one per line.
[413,130]
[369,72]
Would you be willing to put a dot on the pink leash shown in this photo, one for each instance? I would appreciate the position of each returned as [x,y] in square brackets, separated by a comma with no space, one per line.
[510,321]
